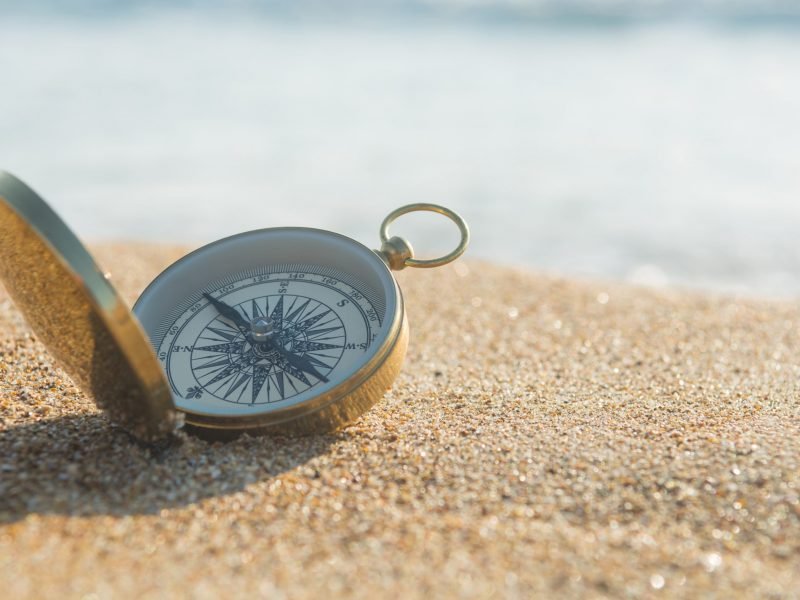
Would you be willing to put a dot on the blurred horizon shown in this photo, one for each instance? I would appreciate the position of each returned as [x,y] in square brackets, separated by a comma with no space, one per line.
[517,12]
[655,142]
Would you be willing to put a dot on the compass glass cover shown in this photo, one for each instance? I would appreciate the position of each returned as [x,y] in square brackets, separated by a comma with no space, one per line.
[267,320]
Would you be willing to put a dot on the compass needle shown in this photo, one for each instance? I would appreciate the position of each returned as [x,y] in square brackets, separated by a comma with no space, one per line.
[281,356]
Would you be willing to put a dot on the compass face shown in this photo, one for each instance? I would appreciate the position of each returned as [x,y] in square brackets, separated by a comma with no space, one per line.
[269,338]
[282,328]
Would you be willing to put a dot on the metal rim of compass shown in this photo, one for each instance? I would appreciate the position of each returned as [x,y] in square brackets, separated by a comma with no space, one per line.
[324,412]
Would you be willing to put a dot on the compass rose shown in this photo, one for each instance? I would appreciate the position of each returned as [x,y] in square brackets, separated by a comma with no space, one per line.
[267,349]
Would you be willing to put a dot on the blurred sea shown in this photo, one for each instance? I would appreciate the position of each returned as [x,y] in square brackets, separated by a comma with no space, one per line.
[650,141]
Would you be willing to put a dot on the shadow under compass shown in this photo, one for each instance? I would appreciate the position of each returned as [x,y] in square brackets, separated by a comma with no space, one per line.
[82,465]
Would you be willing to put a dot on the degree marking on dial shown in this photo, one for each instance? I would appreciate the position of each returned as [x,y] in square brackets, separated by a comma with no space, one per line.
[318,274]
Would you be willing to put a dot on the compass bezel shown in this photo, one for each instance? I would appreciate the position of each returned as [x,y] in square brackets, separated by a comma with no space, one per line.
[335,405]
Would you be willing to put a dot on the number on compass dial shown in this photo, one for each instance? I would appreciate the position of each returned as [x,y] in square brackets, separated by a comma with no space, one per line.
[318,331]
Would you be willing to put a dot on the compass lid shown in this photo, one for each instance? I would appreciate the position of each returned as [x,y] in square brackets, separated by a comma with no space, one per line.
[78,314]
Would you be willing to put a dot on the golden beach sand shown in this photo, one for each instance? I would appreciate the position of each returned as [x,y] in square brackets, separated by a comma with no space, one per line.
[546,438]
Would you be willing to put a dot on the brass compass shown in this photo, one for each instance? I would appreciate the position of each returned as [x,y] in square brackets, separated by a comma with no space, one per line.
[291,329]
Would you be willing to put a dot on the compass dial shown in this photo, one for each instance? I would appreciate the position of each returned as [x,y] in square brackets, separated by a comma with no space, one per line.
[268,339]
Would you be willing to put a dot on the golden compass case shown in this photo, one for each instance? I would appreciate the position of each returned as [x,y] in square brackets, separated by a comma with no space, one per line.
[78,314]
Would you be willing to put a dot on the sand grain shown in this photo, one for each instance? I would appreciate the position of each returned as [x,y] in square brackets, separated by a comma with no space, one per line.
[545,436]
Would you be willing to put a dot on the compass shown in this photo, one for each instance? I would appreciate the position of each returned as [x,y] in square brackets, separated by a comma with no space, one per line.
[290,330]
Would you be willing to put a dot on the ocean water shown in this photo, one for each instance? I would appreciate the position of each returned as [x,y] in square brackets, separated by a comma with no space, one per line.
[661,148]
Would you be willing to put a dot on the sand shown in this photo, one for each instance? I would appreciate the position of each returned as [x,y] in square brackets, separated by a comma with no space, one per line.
[546,437]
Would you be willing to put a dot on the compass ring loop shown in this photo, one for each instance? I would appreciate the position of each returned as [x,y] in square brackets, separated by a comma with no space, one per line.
[426,207]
